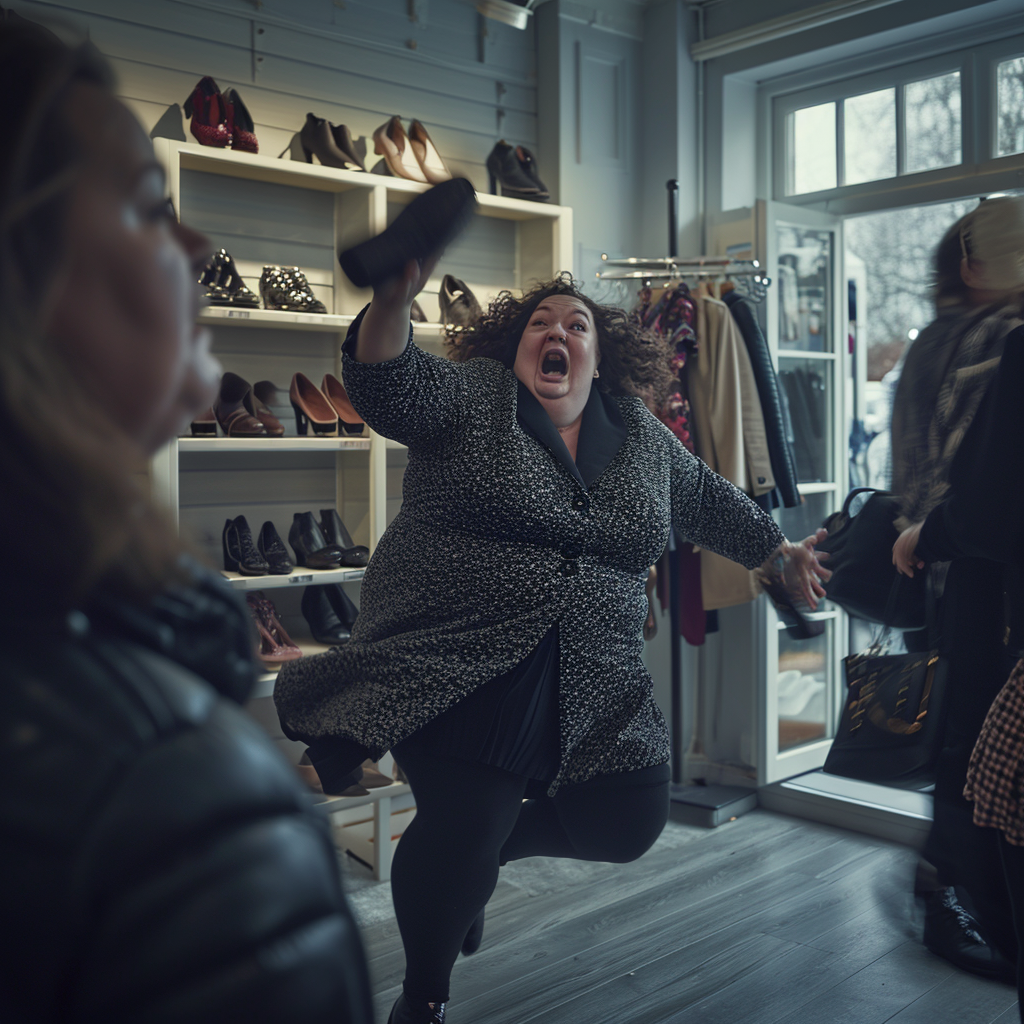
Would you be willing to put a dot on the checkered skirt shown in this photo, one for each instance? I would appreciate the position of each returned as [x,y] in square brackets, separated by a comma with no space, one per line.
[995,777]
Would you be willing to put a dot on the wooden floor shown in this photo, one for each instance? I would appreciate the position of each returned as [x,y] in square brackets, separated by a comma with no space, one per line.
[767,919]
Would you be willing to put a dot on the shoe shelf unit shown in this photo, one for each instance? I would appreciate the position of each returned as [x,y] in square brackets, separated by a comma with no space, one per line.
[267,211]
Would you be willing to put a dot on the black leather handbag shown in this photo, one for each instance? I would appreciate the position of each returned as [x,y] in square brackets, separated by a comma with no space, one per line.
[890,731]
[864,581]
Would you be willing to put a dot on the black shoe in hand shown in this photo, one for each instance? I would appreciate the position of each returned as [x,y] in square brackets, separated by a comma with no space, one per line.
[951,932]
[425,227]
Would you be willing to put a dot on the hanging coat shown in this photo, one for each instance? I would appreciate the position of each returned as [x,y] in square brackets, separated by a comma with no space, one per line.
[730,434]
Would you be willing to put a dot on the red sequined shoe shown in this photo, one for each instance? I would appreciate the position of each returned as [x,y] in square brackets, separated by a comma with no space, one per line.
[243,131]
[212,119]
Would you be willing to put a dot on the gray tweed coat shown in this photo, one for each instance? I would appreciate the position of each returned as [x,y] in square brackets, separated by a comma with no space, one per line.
[500,534]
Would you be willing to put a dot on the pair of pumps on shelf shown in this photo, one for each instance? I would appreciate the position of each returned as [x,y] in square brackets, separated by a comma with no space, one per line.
[220,118]
[244,410]
[411,155]
[328,610]
[284,288]
[323,545]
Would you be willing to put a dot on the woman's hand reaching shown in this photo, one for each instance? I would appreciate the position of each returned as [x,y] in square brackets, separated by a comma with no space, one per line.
[798,568]
[903,551]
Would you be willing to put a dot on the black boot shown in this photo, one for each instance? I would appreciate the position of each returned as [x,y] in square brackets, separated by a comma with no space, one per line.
[951,932]
[404,1012]
[324,624]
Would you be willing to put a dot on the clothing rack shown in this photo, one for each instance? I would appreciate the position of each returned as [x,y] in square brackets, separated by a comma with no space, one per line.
[676,268]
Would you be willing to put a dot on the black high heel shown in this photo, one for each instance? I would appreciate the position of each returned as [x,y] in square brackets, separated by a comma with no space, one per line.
[342,605]
[334,531]
[286,288]
[240,553]
[330,143]
[224,283]
[309,545]
[324,623]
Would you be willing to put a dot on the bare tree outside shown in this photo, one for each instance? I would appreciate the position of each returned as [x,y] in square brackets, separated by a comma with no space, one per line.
[1010,100]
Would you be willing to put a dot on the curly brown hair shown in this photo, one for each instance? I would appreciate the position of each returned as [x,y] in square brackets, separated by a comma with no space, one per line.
[634,361]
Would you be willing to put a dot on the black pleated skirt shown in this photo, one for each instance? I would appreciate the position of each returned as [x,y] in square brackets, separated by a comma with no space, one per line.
[511,722]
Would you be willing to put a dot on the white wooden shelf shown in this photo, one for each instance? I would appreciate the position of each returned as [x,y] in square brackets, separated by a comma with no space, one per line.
[301,577]
[273,444]
[274,318]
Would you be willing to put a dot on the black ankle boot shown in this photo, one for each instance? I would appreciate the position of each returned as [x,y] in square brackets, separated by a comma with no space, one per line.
[404,1012]
[951,932]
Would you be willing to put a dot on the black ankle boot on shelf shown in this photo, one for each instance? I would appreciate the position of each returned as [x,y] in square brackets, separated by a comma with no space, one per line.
[528,165]
[240,552]
[324,624]
[272,548]
[330,143]
[334,531]
[458,304]
[428,224]
[343,605]
[405,1012]
[309,545]
[286,288]
[504,168]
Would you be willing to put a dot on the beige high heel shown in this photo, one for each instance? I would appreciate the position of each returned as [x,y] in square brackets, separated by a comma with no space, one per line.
[391,142]
[429,159]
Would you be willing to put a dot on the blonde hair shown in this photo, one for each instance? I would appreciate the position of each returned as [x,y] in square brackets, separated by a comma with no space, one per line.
[73,507]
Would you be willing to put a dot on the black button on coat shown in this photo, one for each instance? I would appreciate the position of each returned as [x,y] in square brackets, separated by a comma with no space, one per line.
[476,567]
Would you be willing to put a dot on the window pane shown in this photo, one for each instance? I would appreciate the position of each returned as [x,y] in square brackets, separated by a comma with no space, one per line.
[804,273]
[1010,106]
[813,160]
[804,677]
[933,122]
[869,131]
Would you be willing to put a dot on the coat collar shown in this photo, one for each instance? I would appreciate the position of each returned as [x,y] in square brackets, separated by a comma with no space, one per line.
[601,433]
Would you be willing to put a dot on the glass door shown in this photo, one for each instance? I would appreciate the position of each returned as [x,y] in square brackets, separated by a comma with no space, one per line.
[807,319]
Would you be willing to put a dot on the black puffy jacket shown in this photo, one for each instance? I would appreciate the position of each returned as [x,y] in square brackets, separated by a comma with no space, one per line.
[160,861]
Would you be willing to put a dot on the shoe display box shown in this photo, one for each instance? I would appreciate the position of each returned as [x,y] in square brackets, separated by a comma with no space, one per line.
[279,212]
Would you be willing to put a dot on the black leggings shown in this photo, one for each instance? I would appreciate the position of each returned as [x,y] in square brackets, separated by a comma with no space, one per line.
[471,818]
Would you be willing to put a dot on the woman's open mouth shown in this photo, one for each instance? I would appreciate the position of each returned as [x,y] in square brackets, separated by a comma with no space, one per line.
[554,365]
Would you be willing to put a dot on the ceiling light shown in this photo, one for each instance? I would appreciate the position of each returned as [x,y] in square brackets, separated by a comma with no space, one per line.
[510,12]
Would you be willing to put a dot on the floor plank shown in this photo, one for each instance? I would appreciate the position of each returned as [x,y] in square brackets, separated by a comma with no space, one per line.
[766,920]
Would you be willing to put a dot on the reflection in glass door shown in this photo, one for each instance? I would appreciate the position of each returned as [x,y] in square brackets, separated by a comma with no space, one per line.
[807,334]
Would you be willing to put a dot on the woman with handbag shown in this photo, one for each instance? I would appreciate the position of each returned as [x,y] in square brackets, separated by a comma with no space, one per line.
[952,465]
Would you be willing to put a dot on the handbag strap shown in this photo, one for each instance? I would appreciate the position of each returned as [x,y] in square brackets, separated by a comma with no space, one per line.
[931,605]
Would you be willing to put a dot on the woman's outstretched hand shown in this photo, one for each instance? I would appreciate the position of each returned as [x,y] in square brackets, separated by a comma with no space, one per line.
[799,568]
[903,551]
[385,328]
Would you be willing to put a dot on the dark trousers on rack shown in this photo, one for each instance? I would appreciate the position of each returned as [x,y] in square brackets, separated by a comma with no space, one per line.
[471,818]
